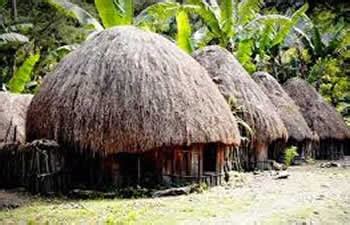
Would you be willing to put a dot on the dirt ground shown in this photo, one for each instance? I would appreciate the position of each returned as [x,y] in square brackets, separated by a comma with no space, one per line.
[310,195]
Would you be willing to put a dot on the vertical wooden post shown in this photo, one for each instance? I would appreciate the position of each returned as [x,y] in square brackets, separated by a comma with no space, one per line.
[14,134]
[174,162]
[138,169]
[200,151]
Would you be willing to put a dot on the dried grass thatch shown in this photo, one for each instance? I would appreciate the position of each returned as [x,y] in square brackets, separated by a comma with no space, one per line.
[233,81]
[13,110]
[128,90]
[321,117]
[299,132]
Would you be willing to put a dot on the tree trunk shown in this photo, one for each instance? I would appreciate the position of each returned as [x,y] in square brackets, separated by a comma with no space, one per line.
[14,9]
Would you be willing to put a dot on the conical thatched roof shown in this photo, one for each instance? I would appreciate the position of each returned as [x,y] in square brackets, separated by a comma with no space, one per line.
[233,81]
[13,110]
[289,112]
[319,115]
[128,90]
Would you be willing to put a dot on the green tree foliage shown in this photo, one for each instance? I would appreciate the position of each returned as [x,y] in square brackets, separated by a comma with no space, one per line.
[23,74]
[258,46]
[74,11]
[319,53]
[38,28]
[235,25]
[115,12]
[184,32]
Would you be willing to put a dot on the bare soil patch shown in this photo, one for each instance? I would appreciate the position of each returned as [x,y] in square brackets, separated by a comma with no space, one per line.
[310,195]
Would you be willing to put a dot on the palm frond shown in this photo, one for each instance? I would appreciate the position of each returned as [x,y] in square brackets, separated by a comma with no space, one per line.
[74,11]
[184,32]
[247,10]
[244,52]
[227,18]
[208,14]
[267,35]
[285,29]
[12,40]
[261,20]
[115,12]
[317,41]
[202,37]
[157,14]
[304,36]
[337,38]
[23,75]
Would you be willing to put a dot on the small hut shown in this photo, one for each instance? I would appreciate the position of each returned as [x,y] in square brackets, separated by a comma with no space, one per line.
[130,107]
[299,133]
[269,133]
[322,118]
[13,110]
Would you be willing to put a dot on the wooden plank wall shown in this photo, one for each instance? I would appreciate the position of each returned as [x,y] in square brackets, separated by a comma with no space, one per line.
[38,166]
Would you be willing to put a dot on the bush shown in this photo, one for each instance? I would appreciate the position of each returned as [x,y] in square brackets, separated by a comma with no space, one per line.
[289,155]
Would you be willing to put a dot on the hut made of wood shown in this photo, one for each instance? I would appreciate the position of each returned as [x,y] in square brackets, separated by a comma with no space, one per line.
[129,106]
[299,133]
[269,133]
[322,118]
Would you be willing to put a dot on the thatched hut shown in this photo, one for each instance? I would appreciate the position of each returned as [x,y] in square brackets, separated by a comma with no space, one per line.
[322,118]
[143,106]
[269,132]
[13,110]
[299,133]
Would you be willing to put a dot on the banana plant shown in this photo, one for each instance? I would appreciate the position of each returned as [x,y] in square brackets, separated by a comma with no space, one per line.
[111,12]
[259,37]
[115,12]
[121,12]
[231,24]
[12,40]
[72,10]
[23,74]
[184,31]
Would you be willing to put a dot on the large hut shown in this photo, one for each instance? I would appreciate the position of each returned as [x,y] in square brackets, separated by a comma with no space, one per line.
[134,108]
[322,118]
[299,133]
[269,133]
[13,110]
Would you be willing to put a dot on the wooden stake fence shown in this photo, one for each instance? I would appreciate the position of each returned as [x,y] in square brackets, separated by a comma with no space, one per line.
[38,166]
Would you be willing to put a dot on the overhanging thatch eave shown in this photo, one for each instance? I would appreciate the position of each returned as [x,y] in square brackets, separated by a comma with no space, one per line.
[128,90]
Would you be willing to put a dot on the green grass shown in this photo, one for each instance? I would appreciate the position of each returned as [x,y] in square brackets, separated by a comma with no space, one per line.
[172,210]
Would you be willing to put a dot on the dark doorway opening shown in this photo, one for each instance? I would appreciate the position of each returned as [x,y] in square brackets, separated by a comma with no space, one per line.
[138,169]
[209,158]
[129,168]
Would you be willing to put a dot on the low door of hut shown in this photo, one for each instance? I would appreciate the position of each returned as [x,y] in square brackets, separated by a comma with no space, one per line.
[137,168]
[209,158]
